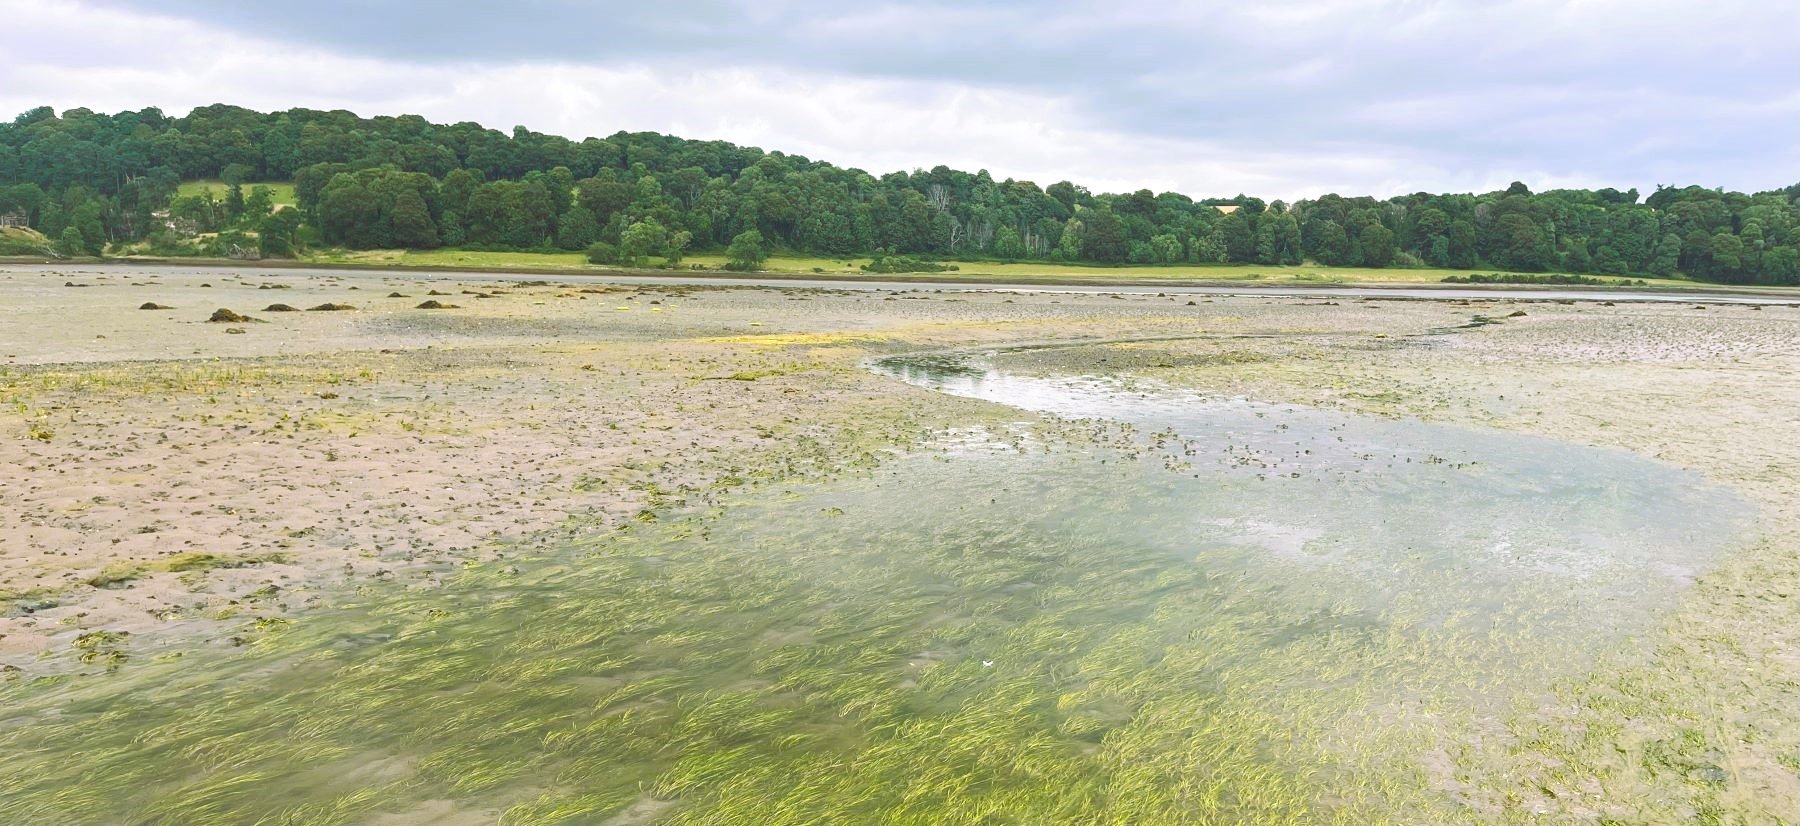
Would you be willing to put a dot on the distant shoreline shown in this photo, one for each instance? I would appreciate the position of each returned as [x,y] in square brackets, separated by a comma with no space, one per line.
[968,281]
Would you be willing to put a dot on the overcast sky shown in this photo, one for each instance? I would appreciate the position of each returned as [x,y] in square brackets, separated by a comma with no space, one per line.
[1288,98]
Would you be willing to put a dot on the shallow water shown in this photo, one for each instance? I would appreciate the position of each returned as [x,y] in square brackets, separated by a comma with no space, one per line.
[1246,612]
[1481,531]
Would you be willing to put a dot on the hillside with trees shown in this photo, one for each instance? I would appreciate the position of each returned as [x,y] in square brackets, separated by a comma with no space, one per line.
[92,182]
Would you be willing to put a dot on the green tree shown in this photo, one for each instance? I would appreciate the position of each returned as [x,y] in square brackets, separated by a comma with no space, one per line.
[601,252]
[1781,265]
[517,190]
[275,235]
[1696,254]
[1268,247]
[1103,237]
[259,203]
[641,240]
[1333,245]
[450,229]
[86,218]
[70,242]
[1207,248]
[1377,245]
[1165,249]
[1070,246]
[234,202]
[1727,257]
[1520,244]
[1008,245]
[1431,226]
[350,214]
[1277,239]
[577,229]
[1239,238]
[1460,249]
[412,225]
[1667,260]
[1289,249]
[236,174]
[676,247]
[1576,259]
[746,252]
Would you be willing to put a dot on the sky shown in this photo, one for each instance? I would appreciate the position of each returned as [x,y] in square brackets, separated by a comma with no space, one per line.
[1279,99]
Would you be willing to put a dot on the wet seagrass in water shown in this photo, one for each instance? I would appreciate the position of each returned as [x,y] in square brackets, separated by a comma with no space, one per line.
[1260,613]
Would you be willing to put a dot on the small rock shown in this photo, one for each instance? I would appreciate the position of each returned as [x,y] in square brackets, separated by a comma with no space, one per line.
[151,305]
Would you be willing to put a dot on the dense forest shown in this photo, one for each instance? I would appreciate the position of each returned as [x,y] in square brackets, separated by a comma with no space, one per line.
[94,183]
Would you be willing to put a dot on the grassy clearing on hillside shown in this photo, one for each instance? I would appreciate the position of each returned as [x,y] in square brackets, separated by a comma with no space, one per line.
[22,241]
[280,192]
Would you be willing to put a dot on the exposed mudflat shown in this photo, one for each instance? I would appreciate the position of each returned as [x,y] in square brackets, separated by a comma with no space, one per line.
[173,487]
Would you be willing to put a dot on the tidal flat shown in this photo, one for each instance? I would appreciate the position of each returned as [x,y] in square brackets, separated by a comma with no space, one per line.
[570,552]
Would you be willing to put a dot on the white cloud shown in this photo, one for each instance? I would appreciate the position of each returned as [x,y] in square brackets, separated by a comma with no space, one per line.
[1317,115]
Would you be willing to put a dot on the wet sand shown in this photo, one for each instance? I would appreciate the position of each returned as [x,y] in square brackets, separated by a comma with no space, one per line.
[168,478]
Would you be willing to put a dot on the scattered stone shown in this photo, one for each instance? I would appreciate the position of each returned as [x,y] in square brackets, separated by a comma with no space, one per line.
[151,305]
[1516,314]
[281,308]
[224,316]
[330,308]
[433,304]
[234,331]
[397,295]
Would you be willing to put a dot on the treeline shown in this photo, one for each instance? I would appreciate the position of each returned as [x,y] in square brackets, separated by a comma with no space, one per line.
[403,182]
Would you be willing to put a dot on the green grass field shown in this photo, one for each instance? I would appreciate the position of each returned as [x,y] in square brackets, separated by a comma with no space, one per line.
[966,271]
[451,258]
[281,192]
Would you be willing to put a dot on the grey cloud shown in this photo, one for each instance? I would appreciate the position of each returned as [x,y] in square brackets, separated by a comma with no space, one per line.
[1611,91]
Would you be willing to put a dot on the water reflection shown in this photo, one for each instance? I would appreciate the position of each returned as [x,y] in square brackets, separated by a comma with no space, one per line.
[1452,521]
